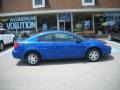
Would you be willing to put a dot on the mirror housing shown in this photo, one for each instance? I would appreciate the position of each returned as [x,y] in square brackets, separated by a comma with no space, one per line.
[78,41]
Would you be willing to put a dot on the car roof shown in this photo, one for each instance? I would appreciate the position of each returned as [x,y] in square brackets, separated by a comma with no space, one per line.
[54,31]
[48,32]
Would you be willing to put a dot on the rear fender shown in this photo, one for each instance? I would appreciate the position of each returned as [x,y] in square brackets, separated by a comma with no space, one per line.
[32,49]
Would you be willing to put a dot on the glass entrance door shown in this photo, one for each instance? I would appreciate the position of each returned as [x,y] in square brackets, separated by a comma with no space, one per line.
[65,25]
[62,25]
[64,21]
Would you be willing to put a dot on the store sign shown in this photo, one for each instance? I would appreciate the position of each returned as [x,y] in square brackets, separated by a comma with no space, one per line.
[115,14]
[65,16]
[20,22]
[98,14]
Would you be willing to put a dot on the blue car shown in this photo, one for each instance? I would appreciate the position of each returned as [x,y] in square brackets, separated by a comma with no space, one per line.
[53,45]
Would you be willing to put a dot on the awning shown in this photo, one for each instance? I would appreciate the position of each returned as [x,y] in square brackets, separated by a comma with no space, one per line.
[60,11]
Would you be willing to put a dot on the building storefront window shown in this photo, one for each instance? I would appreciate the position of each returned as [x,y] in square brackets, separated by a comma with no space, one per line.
[64,21]
[19,24]
[105,21]
[82,23]
[46,22]
[60,21]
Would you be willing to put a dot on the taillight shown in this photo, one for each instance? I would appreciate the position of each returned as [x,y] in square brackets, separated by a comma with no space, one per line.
[16,45]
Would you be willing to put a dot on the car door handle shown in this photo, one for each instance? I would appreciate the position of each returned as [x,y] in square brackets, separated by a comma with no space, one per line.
[55,47]
[60,47]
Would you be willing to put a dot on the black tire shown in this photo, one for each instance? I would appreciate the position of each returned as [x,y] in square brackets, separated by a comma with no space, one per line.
[14,40]
[33,58]
[93,54]
[1,46]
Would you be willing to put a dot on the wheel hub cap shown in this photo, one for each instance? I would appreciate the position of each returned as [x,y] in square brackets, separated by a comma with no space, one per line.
[32,59]
[94,55]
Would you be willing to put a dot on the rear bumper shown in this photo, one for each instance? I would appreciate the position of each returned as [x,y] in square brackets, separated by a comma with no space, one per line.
[17,54]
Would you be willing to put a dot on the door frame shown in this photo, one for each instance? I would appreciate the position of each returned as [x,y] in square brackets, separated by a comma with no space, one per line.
[64,21]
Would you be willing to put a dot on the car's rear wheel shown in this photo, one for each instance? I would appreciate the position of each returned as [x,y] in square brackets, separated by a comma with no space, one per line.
[33,58]
[14,40]
[1,46]
[93,55]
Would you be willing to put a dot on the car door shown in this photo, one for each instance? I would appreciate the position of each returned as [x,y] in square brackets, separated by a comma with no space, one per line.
[4,36]
[45,46]
[66,46]
[9,37]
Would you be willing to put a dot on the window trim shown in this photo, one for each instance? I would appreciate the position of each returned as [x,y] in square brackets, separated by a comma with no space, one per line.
[52,38]
[5,32]
[88,4]
[38,6]
[65,34]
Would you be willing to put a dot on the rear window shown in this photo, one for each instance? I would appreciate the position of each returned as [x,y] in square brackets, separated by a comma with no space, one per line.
[2,32]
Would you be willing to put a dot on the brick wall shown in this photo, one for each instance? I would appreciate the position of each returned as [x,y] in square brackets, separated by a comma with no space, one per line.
[26,5]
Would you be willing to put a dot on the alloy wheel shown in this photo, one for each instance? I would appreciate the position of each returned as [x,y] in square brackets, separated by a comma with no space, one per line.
[33,58]
[93,55]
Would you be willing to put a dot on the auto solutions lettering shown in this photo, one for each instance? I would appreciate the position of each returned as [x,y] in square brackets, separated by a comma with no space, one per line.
[23,22]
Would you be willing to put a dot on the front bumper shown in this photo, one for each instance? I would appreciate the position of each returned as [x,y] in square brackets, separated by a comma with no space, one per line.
[106,50]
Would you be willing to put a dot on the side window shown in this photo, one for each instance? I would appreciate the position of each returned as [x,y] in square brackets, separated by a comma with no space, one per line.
[46,38]
[65,38]
[4,32]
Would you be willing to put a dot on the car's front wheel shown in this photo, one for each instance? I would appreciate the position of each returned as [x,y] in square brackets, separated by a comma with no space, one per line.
[93,55]
[1,46]
[33,58]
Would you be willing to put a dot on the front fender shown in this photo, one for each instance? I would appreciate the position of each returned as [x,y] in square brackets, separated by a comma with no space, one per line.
[89,46]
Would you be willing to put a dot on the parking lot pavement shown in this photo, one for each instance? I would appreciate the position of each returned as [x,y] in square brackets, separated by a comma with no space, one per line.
[61,75]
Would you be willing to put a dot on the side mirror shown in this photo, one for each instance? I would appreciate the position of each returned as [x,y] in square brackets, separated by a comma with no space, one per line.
[78,41]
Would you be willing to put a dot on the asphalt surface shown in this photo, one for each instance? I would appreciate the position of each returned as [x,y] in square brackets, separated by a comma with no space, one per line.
[75,74]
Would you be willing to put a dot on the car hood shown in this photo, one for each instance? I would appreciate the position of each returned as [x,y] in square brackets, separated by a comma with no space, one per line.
[94,41]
